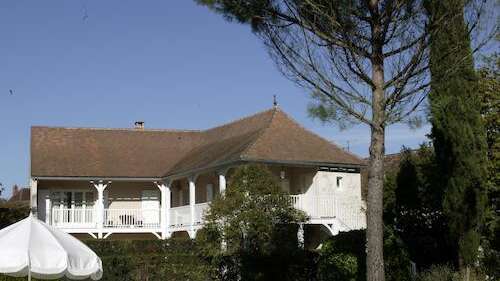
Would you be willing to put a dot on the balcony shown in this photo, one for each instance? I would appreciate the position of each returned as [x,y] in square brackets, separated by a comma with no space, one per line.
[180,217]
[137,219]
[347,210]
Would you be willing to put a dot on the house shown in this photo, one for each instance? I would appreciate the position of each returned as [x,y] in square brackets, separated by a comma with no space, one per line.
[19,194]
[131,182]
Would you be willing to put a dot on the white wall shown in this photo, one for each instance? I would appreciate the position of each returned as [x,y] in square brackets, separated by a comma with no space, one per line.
[326,183]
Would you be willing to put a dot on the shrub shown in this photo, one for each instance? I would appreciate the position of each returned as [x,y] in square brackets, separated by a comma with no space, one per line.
[343,257]
[446,273]
[437,273]
[172,259]
[396,258]
[12,212]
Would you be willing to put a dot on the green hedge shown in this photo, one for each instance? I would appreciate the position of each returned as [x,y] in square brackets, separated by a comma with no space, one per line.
[173,259]
[12,212]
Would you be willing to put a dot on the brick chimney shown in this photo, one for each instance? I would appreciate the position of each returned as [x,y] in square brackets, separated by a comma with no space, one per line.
[139,125]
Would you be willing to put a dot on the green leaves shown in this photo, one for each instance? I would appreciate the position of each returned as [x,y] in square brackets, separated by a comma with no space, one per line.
[252,222]
[457,128]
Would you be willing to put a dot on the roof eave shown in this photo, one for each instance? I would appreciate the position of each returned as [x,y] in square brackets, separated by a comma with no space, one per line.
[304,163]
[91,178]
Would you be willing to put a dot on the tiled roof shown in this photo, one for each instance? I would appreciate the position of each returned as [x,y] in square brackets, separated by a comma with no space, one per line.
[22,194]
[267,136]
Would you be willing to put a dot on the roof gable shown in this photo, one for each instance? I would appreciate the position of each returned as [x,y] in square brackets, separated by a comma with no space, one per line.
[287,141]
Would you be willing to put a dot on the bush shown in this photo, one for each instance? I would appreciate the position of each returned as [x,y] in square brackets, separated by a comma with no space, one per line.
[12,212]
[437,273]
[173,259]
[342,257]
[446,273]
[396,258]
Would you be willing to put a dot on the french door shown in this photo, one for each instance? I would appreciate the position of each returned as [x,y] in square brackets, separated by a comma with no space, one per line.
[72,207]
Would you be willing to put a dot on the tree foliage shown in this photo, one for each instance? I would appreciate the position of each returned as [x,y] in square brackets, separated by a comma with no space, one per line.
[330,47]
[363,61]
[251,227]
[489,87]
[414,210]
[457,128]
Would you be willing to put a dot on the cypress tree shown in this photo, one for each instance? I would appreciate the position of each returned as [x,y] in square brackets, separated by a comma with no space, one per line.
[457,130]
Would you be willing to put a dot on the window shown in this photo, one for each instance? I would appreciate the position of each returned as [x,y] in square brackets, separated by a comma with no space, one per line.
[339,182]
[210,192]
[71,198]
[79,199]
[89,199]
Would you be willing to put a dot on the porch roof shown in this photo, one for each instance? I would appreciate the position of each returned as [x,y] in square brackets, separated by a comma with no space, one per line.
[269,136]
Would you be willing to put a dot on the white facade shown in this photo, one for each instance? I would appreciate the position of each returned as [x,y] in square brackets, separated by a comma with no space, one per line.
[331,198]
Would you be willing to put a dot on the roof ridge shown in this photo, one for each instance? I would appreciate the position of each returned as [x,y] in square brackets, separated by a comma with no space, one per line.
[261,132]
[237,120]
[158,130]
[118,129]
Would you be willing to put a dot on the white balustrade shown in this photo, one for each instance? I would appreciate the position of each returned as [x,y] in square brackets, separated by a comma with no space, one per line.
[130,218]
[199,212]
[180,216]
[347,209]
[73,217]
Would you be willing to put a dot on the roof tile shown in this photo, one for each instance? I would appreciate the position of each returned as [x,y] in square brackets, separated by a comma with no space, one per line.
[267,136]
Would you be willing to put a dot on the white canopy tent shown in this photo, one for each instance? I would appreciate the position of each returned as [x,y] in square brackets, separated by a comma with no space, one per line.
[32,248]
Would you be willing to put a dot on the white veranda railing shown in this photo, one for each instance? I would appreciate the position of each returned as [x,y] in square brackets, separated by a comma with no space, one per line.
[73,217]
[349,210]
[181,216]
[123,218]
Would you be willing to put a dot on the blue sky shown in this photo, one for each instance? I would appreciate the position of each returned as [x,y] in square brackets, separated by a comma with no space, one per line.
[108,63]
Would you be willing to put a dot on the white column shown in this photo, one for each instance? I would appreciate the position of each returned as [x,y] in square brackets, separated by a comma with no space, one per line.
[164,208]
[48,207]
[300,235]
[100,186]
[192,202]
[222,190]
[222,183]
[61,213]
[34,196]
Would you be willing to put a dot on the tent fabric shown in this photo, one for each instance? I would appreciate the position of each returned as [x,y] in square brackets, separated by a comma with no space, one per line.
[32,245]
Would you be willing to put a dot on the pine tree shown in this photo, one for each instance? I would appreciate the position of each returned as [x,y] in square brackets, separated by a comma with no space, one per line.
[458,133]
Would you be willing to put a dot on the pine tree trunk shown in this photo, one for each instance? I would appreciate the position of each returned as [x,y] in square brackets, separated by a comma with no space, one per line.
[375,225]
[375,233]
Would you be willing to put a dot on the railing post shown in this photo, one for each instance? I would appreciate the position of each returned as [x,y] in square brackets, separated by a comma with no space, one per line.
[84,214]
[72,213]
[47,210]
[61,214]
